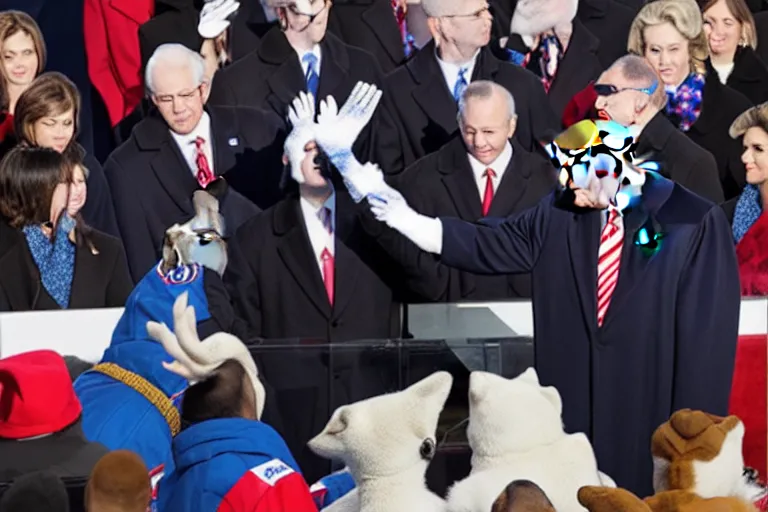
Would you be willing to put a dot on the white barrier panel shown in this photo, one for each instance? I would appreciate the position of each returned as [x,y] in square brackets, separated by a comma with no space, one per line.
[86,333]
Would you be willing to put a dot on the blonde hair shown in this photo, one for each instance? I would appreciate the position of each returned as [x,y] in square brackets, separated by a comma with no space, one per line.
[12,22]
[684,15]
[755,117]
[742,14]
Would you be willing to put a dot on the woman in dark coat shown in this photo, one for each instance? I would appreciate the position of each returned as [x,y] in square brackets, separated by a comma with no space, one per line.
[47,115]
[669,33]
[49,259]
[732,39]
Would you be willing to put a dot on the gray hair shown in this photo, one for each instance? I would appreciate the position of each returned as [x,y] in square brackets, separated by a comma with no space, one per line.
[174,55]
[485,89]
[438,8]
[639,71]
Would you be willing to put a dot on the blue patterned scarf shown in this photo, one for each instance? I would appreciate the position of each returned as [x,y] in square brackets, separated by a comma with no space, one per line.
[684,103]
[748,210]
[55,259]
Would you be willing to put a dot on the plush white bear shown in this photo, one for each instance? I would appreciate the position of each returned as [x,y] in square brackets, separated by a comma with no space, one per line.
[387,442]
[516,433]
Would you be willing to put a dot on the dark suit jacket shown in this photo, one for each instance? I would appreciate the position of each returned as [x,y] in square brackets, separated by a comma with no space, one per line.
[672,321]
[442,185]
[606,19]
[761,24]
[370,25]
[720,106]
[577,68]
[419,113]
[682,160]
[100,280]
[277,287]
[749,75]
[271,77]
[152,184]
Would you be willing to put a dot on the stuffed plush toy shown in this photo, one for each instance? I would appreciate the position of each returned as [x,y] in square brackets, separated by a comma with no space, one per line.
[698,467]
[527,442]
[522,496]
[387,442]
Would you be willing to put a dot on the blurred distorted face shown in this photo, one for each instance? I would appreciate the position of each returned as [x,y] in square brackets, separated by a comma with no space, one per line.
[20,59]
[755,155]
[722,30]
[178,97]
[59,201]
[299,21]
[667,51]
[311,172]
[486,127]
[77,191]
[619,106]
[469,26]
[55,131]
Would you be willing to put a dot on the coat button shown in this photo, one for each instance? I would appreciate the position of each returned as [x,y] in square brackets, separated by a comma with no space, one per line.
[335,323]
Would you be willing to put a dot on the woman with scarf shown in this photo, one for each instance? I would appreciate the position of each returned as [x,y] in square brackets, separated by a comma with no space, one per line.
[750,224]
[670,35]
[732,40]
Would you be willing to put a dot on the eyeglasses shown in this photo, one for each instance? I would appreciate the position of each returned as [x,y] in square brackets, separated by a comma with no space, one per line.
[610,89]
[182,96]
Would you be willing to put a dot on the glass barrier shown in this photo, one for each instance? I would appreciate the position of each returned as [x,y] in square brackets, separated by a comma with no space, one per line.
[307,380]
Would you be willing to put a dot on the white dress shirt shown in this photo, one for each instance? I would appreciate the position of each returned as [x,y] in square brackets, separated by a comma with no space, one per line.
[319,237]
[499,166]
[304,66]
[451,70]
[187,146]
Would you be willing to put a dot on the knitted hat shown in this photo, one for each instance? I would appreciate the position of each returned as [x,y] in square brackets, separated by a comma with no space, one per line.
[36,395]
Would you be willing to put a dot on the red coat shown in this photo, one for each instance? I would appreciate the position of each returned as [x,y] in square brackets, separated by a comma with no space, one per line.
[753,259]
[112,50]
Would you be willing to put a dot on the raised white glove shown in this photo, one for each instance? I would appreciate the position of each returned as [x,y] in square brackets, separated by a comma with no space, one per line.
[301,115]
[389,206]
[338,129]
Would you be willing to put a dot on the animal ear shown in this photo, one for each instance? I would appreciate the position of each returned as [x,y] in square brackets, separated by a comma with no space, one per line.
[478,386]
[436,385]
[551,394]
[338,422]
[530,376]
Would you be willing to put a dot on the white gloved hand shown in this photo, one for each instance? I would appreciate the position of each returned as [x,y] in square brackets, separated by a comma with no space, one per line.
[301,115]
[389,206]
[339,129]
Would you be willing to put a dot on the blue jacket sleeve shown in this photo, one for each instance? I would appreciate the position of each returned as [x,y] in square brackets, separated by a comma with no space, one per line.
[508,247]
[707,319]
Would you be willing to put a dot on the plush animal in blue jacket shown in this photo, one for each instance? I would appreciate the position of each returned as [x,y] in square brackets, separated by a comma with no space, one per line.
[129,400]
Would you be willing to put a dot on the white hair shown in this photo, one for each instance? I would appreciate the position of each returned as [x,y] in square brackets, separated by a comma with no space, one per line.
[485,89]
[439,8]
[174,56]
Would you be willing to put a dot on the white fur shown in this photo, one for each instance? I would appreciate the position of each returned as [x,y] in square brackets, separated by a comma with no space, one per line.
[379,439]
[532,17]
[516,433]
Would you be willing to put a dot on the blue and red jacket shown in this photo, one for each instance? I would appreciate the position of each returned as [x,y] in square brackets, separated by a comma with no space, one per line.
[114,413]
[233,465]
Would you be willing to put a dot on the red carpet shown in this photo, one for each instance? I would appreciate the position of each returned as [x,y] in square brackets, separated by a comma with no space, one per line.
[748,398]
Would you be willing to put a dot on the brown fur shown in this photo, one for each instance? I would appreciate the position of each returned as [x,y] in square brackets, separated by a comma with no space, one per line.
[522,496]
[119,483]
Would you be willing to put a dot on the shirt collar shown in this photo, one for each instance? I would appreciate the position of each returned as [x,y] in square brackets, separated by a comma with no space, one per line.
[451,70]
[311,211]
[499,165]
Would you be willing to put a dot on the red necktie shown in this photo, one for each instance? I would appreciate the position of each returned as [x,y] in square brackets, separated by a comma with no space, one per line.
[402,24]
[488,196]
[204,173]
[329,269]
[609,258]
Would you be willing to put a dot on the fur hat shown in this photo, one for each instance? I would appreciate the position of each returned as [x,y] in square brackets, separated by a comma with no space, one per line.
[197,360]
[39,491]
[36,395]
[119,482]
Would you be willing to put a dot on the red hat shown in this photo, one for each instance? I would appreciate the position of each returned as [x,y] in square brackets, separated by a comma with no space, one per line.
[36,395]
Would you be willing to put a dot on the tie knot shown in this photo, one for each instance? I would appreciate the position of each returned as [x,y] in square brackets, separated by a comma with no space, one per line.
[324,214]
[310,59]
[199,141]
[613,215]
[489,173]
[462,72]
[325,255]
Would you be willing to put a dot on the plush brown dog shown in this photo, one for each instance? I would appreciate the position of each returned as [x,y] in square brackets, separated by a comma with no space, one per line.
[698,467]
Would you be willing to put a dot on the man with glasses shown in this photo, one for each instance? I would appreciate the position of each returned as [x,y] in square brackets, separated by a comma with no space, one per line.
[183,147]
[630,93]
[298,55]
[420,99]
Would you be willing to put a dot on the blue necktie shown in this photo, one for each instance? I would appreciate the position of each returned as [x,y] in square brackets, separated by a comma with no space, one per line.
[461,84]
[312,78]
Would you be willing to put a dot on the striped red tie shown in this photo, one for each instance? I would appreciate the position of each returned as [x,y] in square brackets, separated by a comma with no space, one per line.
[609,259]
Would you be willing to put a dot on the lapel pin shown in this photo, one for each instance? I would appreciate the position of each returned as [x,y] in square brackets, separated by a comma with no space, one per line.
[233,142]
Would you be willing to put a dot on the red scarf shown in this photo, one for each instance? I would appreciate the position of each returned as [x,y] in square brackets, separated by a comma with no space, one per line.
[753,258]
